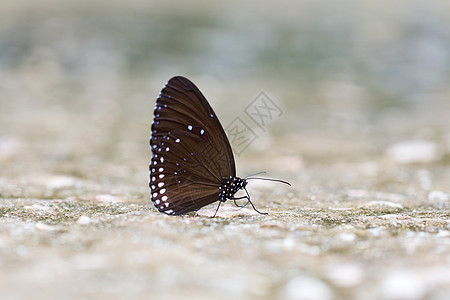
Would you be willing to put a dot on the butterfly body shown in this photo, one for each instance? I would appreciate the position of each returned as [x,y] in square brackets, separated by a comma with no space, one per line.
[230,186]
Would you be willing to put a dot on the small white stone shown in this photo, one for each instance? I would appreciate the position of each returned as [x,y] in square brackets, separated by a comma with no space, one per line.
[383,204]
[84,220]
[42,226]
[107,198]
[414,151]
[345,275]
[57,182]
[305,287]
[377,231]
[401,285]
[346,237]
[438,197]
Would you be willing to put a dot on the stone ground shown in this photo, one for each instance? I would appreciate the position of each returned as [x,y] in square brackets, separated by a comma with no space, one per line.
[356,222]
[368,212]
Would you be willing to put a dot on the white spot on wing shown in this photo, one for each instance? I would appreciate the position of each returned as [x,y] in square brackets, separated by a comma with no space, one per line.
[161,176]
[164,198]
[202,132]
[161,169]
[177,140]
[190,127]
[160,184]
[162,191]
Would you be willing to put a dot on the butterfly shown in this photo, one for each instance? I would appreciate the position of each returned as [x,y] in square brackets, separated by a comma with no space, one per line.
[192,162]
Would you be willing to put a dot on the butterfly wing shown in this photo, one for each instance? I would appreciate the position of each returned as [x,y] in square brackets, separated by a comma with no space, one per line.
[190,150]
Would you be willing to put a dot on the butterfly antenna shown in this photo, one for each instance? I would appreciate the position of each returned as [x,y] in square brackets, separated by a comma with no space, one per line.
[249,201]
[270,179]
[263,172]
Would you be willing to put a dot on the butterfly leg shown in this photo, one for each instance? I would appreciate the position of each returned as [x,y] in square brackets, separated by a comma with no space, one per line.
[217,209]
[249,201]
[241,206]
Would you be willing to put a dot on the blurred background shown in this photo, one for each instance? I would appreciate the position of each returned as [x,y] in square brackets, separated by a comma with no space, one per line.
[78,79]
[365,115]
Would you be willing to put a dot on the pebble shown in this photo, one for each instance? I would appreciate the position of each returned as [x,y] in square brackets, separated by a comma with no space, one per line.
[345,275]
[388,204]
[395,217]
[413,151]
[305,287]
[362,194]
[84,220]
[346,237]
[401,285]
[107,198]
[438,197]
[57,182]
[43,227]
[377,231]
[37,207]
